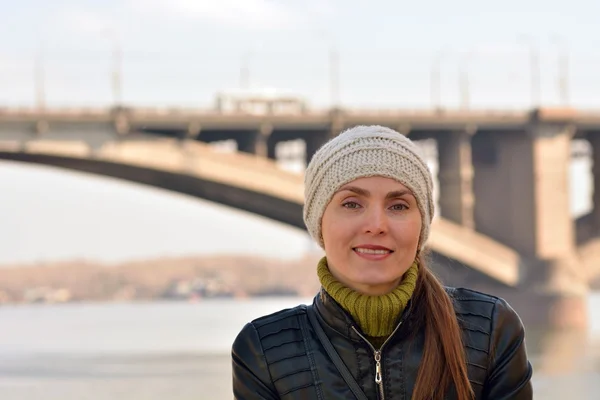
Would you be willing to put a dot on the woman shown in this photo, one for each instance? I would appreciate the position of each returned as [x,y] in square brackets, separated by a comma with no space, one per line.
[382,326]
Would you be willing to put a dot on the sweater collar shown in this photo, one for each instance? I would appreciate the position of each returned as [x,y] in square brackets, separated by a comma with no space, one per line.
[376,316]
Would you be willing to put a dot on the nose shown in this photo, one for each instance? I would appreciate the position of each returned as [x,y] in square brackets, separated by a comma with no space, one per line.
[376,222]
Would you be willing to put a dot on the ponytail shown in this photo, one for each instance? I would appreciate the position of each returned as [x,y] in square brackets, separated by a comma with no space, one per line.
[444,361]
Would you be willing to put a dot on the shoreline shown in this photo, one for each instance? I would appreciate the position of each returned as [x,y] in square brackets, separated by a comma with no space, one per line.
[185,279]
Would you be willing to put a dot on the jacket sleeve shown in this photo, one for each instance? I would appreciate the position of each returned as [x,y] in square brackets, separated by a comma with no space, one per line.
[251,377]
[510,371]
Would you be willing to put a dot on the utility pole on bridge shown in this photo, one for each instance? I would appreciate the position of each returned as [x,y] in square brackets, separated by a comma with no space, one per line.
[39,79]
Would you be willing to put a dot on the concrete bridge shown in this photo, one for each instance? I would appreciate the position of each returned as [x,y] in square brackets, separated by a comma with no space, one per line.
[505,224]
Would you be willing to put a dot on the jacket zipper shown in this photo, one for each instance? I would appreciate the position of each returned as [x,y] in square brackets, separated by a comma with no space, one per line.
[377,357]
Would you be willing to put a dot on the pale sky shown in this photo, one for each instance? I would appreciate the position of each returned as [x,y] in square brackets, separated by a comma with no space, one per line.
[181,52]
[51,214]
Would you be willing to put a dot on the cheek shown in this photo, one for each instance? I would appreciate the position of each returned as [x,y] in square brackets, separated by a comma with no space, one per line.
[409,231]
[335,231]
[328,228]
[334,234]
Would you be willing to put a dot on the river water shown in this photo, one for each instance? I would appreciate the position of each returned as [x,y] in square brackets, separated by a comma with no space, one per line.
[180,351]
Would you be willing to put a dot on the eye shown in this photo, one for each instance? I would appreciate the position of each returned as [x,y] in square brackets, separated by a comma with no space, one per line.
[399,207]
[351,205]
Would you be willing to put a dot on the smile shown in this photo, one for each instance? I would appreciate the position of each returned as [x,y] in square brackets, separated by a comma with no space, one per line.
[372,254]
[371,251]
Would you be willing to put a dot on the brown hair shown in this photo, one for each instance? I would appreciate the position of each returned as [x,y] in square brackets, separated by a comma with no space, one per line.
[444,360]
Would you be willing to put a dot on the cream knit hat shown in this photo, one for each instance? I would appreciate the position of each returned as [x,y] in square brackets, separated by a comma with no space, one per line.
[360,152]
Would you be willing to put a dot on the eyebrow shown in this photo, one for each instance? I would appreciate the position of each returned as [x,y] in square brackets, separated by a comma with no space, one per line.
[363,192]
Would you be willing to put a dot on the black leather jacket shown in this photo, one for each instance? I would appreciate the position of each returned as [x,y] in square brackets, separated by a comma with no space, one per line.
[278,357]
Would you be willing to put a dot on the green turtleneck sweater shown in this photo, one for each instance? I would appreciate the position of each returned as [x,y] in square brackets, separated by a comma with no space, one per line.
[376,315]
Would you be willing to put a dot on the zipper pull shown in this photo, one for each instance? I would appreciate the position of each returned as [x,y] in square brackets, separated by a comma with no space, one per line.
[378,367]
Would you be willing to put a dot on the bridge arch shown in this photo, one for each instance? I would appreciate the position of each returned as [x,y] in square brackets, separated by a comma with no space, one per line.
[242,181]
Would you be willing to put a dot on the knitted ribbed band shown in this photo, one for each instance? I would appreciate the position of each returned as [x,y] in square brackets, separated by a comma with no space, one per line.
[360,152]
[376,315]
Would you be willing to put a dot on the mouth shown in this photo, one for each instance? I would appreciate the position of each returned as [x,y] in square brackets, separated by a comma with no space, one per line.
[372,252]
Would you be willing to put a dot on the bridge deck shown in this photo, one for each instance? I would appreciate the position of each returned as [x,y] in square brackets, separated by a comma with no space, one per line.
[179,118]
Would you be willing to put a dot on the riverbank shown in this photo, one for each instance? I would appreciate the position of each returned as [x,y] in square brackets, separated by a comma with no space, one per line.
[184,279]
[177,279]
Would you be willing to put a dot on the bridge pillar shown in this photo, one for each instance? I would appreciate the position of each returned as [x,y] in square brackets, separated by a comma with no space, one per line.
[257,142]
[263,141]
[337,123]
[271,147]
[456,177]
[521,185]
[553,226]
[313,142]
[121,124]
[193,131]
[521,189]
[594,139]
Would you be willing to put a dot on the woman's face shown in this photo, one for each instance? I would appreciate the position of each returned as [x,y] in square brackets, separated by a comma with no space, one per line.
[371,230]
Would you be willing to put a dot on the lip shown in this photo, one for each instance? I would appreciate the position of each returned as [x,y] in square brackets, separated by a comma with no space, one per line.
[372,257]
